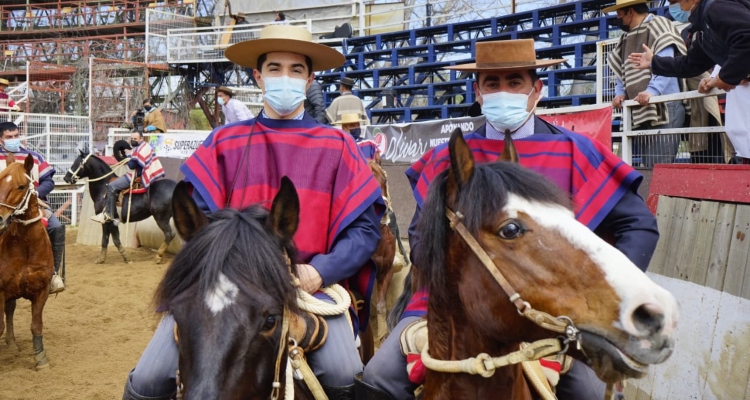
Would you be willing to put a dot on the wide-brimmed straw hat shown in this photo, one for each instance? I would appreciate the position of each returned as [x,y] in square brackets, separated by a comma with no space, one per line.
[505,55]
[351,118]
[284,38]
[623,3]
[4,81]
[225,90]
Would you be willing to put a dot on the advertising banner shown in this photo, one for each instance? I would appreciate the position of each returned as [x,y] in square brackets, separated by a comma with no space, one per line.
[177,145]
[595,123]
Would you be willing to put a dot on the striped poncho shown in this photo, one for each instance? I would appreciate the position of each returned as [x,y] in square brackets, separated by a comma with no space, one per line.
[595,178]
[369,149]
[41,170]
[658,33]
[242,164]
[151,168]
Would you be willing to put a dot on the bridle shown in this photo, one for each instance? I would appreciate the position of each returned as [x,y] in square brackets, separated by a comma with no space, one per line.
[21,208]
[483,364]
[74,174]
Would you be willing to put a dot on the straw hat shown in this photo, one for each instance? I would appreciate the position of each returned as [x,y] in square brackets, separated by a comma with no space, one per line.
[4,81]
[286,38]
[351,118]
[505,55]
[622,4]
[226,90]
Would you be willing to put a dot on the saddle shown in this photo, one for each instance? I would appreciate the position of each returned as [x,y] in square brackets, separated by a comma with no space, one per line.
[136,188]
[542,375]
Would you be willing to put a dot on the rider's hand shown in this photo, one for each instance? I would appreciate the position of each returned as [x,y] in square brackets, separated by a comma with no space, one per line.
[309,278]
[150,128]
[617,101]
[642,60]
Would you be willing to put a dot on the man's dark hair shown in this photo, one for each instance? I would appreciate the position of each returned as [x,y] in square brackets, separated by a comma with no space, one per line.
[7,126]
[139,133]
[262,60]
[532,73]
[146,101]
[641,9]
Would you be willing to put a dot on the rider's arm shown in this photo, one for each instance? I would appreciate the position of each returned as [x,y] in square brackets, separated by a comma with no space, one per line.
[414,237]
[351,250]
[634,228]
[46,185]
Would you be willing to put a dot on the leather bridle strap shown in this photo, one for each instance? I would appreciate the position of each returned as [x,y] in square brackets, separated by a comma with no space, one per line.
[560,324]
[276,391]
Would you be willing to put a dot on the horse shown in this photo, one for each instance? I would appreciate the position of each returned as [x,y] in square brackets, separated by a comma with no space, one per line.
[27,263]
[498,228]
[155,202]
[234,304]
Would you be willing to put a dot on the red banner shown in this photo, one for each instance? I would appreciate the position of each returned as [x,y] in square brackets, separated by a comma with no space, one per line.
[595,123]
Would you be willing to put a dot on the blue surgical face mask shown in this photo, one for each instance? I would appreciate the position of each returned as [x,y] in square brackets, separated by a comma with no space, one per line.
[506,111]
[678,13]
[284,94]
[220,100]
[13,145]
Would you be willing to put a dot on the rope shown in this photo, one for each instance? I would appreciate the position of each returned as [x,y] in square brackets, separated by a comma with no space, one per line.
[299,364]
[289,381]
[130,204]
[114,167]
[485,366]
[336,292]
[23,205]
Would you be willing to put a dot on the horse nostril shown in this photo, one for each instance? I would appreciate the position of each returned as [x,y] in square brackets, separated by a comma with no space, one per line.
[649,318]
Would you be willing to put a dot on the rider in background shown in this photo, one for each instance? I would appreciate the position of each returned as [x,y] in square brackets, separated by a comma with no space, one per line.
[42,174]
[351,123]
[144,164]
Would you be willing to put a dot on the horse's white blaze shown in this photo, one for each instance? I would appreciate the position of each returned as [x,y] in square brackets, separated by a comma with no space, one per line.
[222,295]
[632,286]
[8,179]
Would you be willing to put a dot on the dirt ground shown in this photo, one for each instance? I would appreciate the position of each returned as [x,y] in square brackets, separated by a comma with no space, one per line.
[94,332]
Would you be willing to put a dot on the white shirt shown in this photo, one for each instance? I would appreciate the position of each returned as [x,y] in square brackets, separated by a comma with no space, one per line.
[526,130]
[235,111]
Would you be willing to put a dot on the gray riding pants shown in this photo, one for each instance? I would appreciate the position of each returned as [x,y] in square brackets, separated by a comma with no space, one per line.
[335,364]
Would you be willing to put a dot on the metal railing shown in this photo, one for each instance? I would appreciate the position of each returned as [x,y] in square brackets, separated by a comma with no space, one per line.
[627,135]
[66,202]
[605,82]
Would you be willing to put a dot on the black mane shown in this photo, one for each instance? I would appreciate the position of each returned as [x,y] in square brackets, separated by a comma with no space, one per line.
[237,244]
[480,199]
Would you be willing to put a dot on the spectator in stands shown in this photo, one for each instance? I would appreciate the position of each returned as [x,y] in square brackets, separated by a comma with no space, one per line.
[153,122]
[508,90]
[280,18]
[634,84]
[339,198]
[346,103]
[314,103]
[719,34]
[5,100]
[234,110]
[42,173]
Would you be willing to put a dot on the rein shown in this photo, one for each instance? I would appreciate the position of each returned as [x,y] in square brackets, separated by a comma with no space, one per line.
[75,176]
[23,205]
[483,364]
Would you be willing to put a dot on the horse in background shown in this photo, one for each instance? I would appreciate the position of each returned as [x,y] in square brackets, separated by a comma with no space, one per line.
[26,260]
[499,228]
[156,201]
[231,294]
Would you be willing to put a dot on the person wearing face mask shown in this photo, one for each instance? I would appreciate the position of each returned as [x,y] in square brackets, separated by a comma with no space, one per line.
[42,173]
[234,110]
[603,189]
[144,164]
[341,202]
[641,27]
[352,123]
[154,120]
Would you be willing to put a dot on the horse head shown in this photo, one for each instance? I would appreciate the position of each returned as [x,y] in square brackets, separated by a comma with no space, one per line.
[524,226]
[78,169]
[230,292]
[16,190]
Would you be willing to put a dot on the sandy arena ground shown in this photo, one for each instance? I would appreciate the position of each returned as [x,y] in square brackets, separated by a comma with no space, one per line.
[94,332]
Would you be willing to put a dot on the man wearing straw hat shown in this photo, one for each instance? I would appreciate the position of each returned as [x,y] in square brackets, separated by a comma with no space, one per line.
[242,164]
[641,28]
[234,110]
[603,189]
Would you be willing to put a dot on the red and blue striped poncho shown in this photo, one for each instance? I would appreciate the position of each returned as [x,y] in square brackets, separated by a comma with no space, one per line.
[334,183]
[151,168]
[595,177]
[41,172]
[369,149]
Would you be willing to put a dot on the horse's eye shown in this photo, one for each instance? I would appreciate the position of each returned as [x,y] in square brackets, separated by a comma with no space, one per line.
[270,323]
[511,230]
[22,187]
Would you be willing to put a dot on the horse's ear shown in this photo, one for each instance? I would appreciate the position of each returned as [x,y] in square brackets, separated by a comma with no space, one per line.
[284,217]
[462,162]
[509,154]
[188,218]
[28,164]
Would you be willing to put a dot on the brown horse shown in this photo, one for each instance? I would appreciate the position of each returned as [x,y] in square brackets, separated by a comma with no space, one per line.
[496,230]
[26,264]
[386,250]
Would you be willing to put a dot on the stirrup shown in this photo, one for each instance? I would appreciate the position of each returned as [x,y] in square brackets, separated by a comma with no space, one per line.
[57,284]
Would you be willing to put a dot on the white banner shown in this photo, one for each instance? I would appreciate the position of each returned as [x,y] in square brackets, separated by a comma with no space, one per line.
[176,145]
